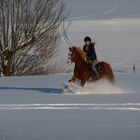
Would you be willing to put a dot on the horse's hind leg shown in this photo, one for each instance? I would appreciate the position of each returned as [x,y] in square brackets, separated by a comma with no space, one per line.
[112,80]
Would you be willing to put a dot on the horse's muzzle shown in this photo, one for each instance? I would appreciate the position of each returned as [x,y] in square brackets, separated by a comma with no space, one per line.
[69,61]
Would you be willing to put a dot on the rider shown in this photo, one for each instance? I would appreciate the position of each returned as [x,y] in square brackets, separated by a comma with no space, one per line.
[89,49]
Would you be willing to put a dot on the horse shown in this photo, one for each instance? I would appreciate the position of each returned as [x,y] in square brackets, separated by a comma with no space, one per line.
[82,72]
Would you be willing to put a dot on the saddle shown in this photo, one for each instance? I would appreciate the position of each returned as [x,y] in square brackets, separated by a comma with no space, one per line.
[99,67]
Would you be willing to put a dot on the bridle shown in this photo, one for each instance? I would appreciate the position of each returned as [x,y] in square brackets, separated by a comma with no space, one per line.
[68,43]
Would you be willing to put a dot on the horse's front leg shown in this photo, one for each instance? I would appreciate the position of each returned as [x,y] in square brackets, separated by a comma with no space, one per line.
[70,81]
[73,79]
[83,82]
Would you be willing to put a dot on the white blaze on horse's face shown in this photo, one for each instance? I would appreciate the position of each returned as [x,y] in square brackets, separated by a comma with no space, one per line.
[71,55]
[69,58]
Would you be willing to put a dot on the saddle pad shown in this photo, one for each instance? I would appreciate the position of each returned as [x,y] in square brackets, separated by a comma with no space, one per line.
[99,67]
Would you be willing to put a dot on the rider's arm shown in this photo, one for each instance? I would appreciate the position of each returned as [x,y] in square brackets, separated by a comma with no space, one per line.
[84,48]
[94,56]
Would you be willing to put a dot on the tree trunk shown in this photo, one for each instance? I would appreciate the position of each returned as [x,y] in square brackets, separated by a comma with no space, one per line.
[7,64]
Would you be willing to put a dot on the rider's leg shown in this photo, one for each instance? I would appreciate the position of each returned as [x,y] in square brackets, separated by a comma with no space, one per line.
[95,70]
[96,73]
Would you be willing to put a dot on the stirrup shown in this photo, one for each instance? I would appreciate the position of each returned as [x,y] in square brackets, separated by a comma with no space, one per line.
[97,75]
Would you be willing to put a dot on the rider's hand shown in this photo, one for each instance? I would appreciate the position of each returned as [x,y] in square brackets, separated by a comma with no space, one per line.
[89,61]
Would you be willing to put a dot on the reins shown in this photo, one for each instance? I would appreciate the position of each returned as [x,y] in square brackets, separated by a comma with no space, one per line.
[65,36]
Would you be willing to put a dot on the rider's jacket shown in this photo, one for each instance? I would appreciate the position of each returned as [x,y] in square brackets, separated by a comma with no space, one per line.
[90,52]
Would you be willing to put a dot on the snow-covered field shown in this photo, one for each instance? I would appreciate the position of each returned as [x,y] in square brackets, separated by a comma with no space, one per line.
[34,107]
[117,41]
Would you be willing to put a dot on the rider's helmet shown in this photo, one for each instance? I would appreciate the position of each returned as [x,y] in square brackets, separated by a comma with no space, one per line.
[87,38]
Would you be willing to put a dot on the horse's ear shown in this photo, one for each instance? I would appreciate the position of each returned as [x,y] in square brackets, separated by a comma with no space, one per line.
[72,49]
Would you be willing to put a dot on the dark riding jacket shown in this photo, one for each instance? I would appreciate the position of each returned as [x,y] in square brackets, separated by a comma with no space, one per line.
[90,51]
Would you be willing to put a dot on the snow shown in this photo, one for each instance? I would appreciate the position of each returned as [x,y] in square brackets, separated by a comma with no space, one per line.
[98,9]
[117,41]
[35,107]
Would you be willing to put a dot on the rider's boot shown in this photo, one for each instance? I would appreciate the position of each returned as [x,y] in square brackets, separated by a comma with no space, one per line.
[95,72]
[96,75]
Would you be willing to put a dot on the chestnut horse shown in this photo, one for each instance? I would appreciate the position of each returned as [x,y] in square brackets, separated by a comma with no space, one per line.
[82,71]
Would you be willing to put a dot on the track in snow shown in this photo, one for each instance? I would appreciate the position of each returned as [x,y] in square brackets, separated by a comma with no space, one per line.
[90,106]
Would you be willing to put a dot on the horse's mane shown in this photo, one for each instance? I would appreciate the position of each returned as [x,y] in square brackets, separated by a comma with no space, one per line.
[81,53]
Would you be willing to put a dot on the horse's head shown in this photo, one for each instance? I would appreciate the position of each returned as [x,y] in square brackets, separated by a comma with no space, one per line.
[76,54]
[71,55]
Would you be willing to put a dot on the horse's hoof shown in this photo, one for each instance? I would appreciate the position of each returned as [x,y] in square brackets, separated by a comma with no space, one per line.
[65,90]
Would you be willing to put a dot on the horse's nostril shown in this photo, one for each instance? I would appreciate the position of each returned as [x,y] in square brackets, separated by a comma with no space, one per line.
[68,61]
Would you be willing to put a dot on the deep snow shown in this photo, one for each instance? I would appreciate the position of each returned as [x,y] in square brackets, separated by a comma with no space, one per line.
[33,108]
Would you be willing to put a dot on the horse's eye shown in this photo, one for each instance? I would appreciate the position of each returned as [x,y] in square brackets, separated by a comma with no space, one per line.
[73,55]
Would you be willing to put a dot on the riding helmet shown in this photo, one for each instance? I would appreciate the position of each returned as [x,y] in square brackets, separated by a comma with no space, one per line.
[87,38]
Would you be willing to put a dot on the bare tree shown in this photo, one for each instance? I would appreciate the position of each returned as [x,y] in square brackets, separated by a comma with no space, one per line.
[29,32]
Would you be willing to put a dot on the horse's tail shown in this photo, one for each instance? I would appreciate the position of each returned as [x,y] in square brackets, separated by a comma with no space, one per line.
[107,72]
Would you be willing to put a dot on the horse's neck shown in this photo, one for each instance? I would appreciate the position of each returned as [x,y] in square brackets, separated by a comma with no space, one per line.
[80,62]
